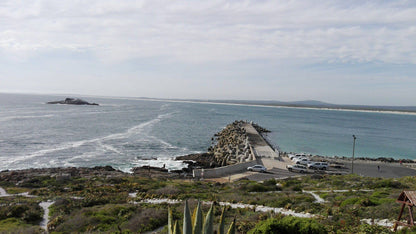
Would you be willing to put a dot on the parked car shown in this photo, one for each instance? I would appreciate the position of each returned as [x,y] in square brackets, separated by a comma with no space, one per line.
[295,159]
[297,168]
[318,165]
[303,161]
[259,168]
[296,156]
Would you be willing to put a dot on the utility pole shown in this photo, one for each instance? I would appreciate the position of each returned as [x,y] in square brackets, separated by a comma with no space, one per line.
[353,150]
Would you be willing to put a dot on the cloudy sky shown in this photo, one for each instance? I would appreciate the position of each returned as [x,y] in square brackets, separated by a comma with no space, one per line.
[345,52]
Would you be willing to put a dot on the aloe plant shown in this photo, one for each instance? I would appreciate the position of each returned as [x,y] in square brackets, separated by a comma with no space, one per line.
[198,227]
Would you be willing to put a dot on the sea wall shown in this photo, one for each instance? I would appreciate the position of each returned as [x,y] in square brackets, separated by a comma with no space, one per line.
[223,171]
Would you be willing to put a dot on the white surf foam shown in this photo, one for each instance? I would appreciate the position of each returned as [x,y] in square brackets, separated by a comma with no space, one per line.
[70,145]
[17,117]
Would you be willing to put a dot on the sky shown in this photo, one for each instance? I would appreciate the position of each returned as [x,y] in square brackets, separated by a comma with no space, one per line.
[337,51]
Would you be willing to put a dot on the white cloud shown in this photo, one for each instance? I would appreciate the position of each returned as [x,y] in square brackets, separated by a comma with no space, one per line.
[202,31]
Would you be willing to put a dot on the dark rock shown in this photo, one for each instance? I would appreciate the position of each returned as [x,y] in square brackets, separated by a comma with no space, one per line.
[73,101]
[138,170]
[204,160]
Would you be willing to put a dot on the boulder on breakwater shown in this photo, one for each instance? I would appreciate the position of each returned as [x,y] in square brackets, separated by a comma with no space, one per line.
[73,101]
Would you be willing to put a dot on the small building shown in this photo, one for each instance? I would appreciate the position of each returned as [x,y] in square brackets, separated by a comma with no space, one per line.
[406,198]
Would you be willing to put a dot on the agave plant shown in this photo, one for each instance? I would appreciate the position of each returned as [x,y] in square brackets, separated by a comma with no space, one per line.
[194,225]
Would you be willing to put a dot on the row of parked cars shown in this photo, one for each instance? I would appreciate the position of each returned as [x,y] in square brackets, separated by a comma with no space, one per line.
[302,163]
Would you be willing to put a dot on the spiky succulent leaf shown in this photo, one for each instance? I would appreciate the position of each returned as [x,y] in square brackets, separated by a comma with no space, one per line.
[221,225]
[170,220]
[187,220]
[231,230]
[208,224]
[176,229]
[197,219]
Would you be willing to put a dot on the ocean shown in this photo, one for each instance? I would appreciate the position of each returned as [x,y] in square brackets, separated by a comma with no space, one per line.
[126,133]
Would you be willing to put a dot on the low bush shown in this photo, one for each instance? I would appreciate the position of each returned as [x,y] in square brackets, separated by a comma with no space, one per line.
[29,212]
[111,218]
[288,224]
[14,225]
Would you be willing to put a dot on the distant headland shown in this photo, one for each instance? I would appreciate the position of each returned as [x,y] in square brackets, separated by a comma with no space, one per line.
[73,101]
[308,104]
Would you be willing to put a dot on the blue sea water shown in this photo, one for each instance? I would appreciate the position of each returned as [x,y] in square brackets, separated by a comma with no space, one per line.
[125,133]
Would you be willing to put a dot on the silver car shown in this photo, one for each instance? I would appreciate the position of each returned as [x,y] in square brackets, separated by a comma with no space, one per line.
[297,168]
[318,165]
[259,168]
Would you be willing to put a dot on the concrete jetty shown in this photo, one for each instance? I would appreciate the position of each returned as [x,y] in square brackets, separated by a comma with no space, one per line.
[240,145]
[264,153]
[259,145]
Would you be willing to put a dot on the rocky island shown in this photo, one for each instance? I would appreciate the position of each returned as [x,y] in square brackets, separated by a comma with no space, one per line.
[73,101]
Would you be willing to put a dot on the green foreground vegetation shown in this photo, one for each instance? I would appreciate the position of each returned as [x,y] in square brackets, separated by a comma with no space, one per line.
[103,205]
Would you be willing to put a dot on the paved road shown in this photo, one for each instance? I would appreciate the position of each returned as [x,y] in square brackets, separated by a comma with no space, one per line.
[387,170]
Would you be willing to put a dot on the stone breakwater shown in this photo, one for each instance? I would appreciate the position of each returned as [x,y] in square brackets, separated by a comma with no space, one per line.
[229,146]
[232,145]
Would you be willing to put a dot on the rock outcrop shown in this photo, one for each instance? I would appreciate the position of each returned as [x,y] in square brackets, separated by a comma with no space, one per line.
[73,101]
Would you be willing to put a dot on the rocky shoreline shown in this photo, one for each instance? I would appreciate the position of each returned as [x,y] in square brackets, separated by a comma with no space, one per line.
[28,176]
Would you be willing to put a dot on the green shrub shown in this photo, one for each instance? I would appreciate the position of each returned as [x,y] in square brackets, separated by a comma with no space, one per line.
[288,224]
[373,229]
[389,183]
[14,225]
[29,212]
[257,188]
[349,201]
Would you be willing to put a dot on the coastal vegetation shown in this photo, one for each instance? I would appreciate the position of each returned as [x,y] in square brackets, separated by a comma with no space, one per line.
[116,203]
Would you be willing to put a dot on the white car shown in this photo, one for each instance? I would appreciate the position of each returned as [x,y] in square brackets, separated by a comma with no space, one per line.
[303,161]
[259,168]
[295,156]
[318,165]
[297,168]
[295,159]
